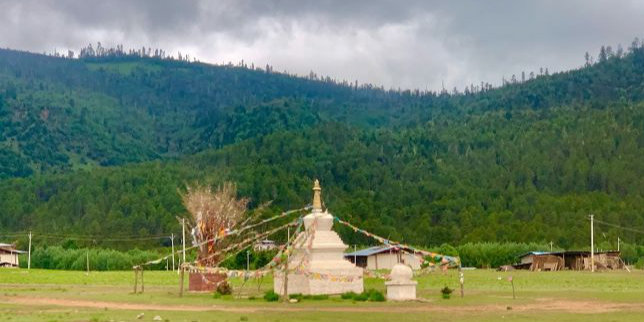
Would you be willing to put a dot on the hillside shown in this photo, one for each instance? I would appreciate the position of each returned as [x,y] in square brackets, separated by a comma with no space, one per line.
[524,162]
[58,114]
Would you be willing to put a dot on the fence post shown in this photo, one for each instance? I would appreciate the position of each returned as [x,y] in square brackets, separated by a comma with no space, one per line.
[181,281]
[142,283]
[136,278]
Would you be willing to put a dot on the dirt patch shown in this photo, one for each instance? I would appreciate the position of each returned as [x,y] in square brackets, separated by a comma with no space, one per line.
[569,306]
[554,304]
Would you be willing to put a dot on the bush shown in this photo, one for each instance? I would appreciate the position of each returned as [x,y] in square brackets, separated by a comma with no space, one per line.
[57,257]
[368,295]
[224,288]
[318,297]
[299,297]
[271,296]
[296,296]
[348,295]
[376,296]
[494,254]
[446,292]
[640,263]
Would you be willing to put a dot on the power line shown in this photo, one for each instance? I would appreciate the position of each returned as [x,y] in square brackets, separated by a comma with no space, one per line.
[618,226]
[87,238]
[133,238]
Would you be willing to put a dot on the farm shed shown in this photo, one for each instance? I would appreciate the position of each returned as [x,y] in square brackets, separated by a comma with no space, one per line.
[572,260]
[383,257]
[9,255]
[264,245]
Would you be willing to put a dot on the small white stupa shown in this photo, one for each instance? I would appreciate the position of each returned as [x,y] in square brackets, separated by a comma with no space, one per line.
[401,287]
[318,265]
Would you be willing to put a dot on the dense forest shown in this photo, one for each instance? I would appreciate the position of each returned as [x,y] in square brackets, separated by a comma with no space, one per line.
[99,146]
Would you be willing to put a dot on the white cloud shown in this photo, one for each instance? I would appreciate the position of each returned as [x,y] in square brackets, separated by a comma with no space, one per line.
[415,44]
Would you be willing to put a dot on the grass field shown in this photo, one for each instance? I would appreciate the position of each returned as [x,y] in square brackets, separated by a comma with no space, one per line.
[40,295]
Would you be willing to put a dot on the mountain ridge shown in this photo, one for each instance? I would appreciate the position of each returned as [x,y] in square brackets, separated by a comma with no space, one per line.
[524,162]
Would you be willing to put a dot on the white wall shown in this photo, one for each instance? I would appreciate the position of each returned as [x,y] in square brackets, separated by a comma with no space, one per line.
[387,261]
[9,258]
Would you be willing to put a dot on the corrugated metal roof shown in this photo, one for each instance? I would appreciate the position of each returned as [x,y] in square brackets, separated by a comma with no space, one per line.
[568,252]
[370,251]
[10,248]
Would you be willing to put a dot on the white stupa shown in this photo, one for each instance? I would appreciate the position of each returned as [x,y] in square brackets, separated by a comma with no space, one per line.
[401,287]
[318,265]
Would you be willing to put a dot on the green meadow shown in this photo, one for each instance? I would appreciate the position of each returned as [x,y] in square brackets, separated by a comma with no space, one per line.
[48,295]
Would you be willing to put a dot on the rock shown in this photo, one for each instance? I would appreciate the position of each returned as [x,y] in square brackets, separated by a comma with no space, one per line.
[293,300]
[157,318]
[140,316]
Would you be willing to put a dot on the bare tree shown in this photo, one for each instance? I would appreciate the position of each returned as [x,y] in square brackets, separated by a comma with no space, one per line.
[213,214]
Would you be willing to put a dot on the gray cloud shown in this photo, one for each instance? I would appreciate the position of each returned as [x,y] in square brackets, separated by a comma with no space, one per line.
[411,44]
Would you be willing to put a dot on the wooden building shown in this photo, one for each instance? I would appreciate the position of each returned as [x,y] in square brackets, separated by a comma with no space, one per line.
[572,260]
[9,255]
[383,257]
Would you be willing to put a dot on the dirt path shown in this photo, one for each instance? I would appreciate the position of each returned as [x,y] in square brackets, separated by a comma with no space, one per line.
[544,304]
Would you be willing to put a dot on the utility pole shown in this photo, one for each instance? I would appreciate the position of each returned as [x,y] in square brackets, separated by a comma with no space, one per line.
[248,260]
[285,296]
[592,243]
[551,246]
[183,231]
[88,262]
[29,256]
[172,239]
[461,279]
[618,243]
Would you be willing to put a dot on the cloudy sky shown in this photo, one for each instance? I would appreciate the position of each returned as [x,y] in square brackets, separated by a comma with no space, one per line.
[407,44]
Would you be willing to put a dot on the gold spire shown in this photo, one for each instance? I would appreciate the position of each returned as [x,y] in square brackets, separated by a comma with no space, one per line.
[317,196]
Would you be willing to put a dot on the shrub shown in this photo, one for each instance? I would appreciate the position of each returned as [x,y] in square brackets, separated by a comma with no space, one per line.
[224,288]
[376,296]
[640,263]
[368,295]
[319,297]
[296,296]
[446,292]
[348,295]
[57,257]
[271,296]
[493,254]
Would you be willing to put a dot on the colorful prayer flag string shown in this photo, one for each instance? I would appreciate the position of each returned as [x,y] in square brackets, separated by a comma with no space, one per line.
[427,256]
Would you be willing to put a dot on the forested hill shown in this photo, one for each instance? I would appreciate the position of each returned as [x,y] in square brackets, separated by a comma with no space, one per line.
[58,114]
[524,162]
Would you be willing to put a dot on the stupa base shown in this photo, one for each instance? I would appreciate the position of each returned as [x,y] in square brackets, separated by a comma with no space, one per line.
[204,282]
[397,291]
[318,282]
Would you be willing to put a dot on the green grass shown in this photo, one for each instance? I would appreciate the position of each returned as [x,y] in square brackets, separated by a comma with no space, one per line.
[487,296]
